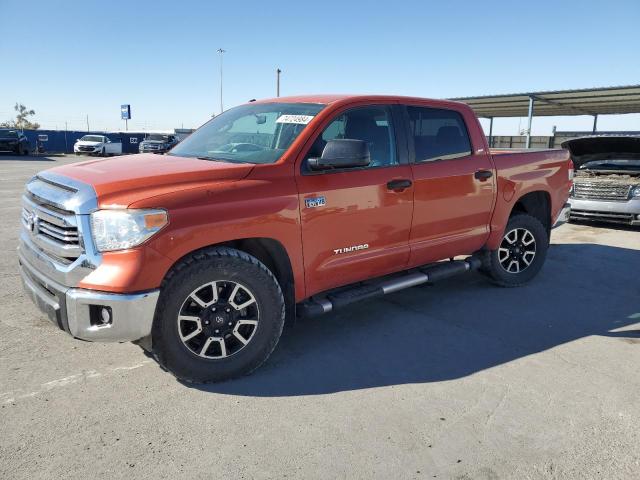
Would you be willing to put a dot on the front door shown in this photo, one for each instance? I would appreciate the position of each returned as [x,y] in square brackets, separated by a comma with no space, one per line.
[356,222]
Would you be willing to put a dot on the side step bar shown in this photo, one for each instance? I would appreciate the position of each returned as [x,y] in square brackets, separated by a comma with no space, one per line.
[428,274]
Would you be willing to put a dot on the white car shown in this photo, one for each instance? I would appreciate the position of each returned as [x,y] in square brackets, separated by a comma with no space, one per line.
[97,145]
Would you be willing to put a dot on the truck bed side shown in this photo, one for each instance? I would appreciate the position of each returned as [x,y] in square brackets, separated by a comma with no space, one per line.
[522,173]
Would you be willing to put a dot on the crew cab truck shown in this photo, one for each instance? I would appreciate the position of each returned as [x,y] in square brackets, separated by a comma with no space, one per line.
[157,143]
[280,208]
[13,141]
[97,145]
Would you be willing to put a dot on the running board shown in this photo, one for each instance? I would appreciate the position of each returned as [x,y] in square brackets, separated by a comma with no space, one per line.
[428,274]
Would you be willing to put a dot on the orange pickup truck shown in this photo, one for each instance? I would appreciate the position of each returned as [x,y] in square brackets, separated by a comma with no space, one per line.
[279,209]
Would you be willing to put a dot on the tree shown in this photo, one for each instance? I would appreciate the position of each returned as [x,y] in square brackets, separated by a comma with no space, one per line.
[22,119]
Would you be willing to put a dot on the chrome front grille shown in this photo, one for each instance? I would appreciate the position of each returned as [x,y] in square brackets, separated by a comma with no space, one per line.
[601,191]
[49,226]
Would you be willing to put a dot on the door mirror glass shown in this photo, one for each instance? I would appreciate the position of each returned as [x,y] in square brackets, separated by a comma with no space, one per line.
[342,153]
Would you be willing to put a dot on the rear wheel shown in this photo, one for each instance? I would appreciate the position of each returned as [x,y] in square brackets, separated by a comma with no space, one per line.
[220,316]
[521,253]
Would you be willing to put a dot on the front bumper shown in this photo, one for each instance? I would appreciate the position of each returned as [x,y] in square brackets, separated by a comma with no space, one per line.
[8,146]
[627,212]
[563,216]
[71,308]
[152,150]
[86,151]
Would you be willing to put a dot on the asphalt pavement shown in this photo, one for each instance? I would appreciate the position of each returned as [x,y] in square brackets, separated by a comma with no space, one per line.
[459,380]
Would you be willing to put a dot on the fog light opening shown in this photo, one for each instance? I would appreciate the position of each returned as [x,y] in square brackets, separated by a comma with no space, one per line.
[100,315]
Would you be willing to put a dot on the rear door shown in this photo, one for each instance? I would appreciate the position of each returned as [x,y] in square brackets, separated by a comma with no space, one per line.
[355,222]
[454,184]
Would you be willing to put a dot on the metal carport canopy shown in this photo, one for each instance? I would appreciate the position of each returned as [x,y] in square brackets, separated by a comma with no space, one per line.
[587,101]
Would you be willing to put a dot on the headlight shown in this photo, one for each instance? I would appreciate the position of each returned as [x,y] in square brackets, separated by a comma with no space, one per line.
[121,229]
[635,191]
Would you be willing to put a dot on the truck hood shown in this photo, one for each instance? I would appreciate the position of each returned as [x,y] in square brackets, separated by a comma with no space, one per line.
[121,181]
[587,149]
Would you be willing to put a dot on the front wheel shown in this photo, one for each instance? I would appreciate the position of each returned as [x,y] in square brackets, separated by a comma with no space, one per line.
[521,253]
[220,315]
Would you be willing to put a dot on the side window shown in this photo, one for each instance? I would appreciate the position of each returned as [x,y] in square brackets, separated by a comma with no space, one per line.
[369,124]
[438,134]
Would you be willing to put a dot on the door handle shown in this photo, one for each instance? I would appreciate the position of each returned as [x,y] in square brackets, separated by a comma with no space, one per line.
[483,175]
[399,184]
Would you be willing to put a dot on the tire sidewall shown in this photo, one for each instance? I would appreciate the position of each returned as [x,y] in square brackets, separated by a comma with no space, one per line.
[538,231]
[187,365]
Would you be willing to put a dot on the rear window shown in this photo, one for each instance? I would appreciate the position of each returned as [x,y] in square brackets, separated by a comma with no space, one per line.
[438,134]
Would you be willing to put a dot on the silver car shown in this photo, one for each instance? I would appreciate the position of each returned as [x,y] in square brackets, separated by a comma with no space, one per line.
[607,179]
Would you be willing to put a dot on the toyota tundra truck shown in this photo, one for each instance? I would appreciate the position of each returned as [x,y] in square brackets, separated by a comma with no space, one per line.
[277,209]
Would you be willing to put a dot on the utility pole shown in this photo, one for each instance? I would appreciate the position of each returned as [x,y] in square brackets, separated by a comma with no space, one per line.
[221,52]
[88,129]
[278,72]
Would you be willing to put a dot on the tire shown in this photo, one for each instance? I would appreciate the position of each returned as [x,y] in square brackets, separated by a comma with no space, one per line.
[507,266]
[19,150]
[183,350]
[104,152]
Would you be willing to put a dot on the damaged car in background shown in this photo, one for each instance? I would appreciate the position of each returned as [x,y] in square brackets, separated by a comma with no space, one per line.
[607,179]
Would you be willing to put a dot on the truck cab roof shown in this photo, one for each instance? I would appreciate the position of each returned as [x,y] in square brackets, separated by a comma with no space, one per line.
[328,99]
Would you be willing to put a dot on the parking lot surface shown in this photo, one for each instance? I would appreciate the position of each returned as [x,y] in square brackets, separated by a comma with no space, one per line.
[459,380]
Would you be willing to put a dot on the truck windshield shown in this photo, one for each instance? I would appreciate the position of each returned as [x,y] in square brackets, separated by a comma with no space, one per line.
[156,137]
[91,138]
[253,133]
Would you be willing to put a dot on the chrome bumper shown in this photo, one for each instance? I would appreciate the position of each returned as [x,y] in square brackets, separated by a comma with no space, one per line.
[626,212]
[70,308]
[563,217]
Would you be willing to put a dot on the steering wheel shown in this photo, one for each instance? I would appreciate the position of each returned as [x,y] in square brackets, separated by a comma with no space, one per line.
[240,147]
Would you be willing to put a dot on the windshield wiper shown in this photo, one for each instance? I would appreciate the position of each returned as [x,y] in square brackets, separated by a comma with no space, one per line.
[225,160]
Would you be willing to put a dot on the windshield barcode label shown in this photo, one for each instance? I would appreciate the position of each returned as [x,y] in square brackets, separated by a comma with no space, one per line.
[298,119]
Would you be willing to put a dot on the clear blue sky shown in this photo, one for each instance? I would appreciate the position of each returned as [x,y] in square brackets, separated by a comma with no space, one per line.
[67,59]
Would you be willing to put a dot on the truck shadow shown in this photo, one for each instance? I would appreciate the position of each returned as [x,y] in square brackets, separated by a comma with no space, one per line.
[454,329]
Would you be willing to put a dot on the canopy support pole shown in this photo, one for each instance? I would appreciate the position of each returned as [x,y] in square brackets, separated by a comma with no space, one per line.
[490,132]
[530,117]
[595,123]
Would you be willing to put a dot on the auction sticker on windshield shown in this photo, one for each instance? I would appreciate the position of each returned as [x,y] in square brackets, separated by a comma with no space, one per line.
[298,119]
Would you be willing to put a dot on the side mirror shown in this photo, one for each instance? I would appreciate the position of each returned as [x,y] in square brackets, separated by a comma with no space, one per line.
[342,153]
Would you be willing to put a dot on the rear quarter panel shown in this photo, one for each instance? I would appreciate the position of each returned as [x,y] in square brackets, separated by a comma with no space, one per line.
[523,172]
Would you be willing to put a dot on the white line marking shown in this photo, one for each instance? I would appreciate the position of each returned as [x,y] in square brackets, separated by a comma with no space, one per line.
[12,396]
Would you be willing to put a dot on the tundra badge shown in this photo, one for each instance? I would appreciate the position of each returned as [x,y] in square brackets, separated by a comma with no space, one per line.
[353,248]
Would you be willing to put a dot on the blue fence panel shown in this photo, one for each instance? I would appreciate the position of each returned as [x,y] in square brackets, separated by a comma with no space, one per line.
[61,141]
